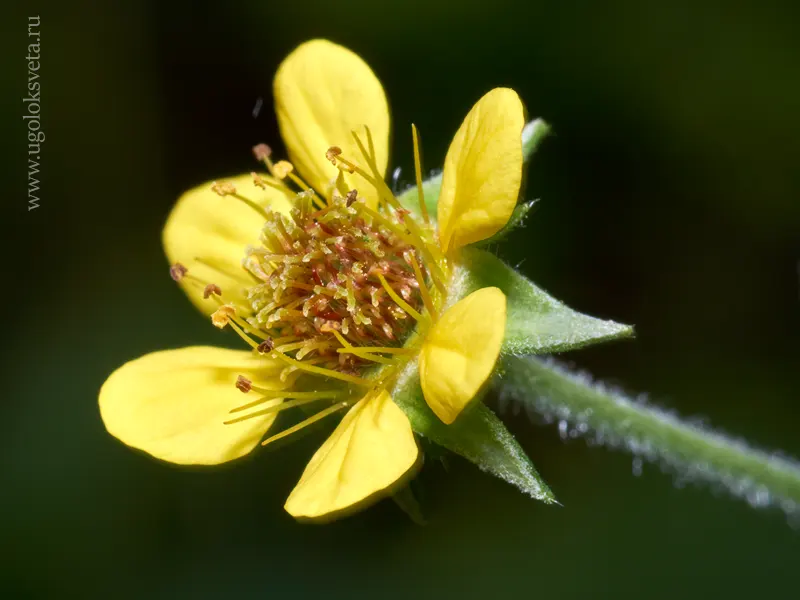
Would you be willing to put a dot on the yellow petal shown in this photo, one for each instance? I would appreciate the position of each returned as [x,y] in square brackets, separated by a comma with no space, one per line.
[323,91]
[482,171]
[205,227]
[460,351]
[370,450]
[172,403]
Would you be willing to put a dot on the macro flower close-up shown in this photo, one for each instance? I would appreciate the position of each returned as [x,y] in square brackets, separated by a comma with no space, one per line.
[394,299]
[346,296]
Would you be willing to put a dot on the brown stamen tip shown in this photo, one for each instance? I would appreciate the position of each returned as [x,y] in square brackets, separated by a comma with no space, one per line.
[258,180]
[351,197]
[262,151]
[211,288]
[177,271]
[332,153]
[224,188]
[265,346]
[221,316]
[243,384]
[282,169]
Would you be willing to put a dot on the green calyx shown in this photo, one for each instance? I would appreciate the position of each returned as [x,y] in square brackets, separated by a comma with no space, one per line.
[536,323]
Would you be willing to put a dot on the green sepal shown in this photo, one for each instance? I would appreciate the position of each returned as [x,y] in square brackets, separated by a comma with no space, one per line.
[407,501]
[430,188]
[477,435]
[536,323]
[532,135]
[517,219]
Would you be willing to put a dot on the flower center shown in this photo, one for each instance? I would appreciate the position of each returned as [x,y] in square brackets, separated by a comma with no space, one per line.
[337,284]
[340,286]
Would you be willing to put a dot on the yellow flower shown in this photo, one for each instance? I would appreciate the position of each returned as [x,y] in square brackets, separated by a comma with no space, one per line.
[336,288]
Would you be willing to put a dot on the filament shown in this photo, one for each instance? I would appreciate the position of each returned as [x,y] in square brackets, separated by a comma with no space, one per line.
[317,417]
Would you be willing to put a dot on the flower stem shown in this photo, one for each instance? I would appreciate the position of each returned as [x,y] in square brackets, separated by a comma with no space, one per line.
[583,407]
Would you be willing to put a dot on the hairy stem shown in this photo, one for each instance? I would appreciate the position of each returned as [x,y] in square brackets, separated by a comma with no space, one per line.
[582,407]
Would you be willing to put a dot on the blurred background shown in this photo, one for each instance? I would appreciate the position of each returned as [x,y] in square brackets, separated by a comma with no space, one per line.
[670,200]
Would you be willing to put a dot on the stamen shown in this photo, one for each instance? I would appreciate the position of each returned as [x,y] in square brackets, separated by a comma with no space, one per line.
[321,371]
[399,301]
[262,183]
[275,394]
[243,335]
[373,357]
[431,251]
[423,289]
[224,188]
[249,328]
[373,349]
[317,417]
[282,168]
[266,346]
[243,384]
[342,341]
[211,289]
[222,316]
[418,170]
[276,403]
[262,152]
[177,271]
[273,409]
[340,184]
[332,153]
[252,204]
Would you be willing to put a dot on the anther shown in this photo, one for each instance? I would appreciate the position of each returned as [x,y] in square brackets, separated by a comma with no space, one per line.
[258,180]
[225,188]
[282,169]
[266,346]
[221,316]
[243,384]
[211,288]
[262,152]
[332,153]
[177,271]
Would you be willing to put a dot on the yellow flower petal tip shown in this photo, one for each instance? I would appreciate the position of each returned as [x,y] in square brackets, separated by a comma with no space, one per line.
[370,454]
[482,171]
[208,229]
[324,92]
[172,404]
[460,352]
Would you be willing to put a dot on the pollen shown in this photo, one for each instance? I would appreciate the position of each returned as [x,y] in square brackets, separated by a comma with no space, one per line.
[282,169]
[224,188]
[222,316]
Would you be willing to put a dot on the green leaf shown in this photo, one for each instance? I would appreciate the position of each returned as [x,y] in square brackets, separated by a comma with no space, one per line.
[477,435]
[532,135]
[536,322]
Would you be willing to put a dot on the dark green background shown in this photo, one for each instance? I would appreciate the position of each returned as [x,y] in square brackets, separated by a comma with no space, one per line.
[671,199]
